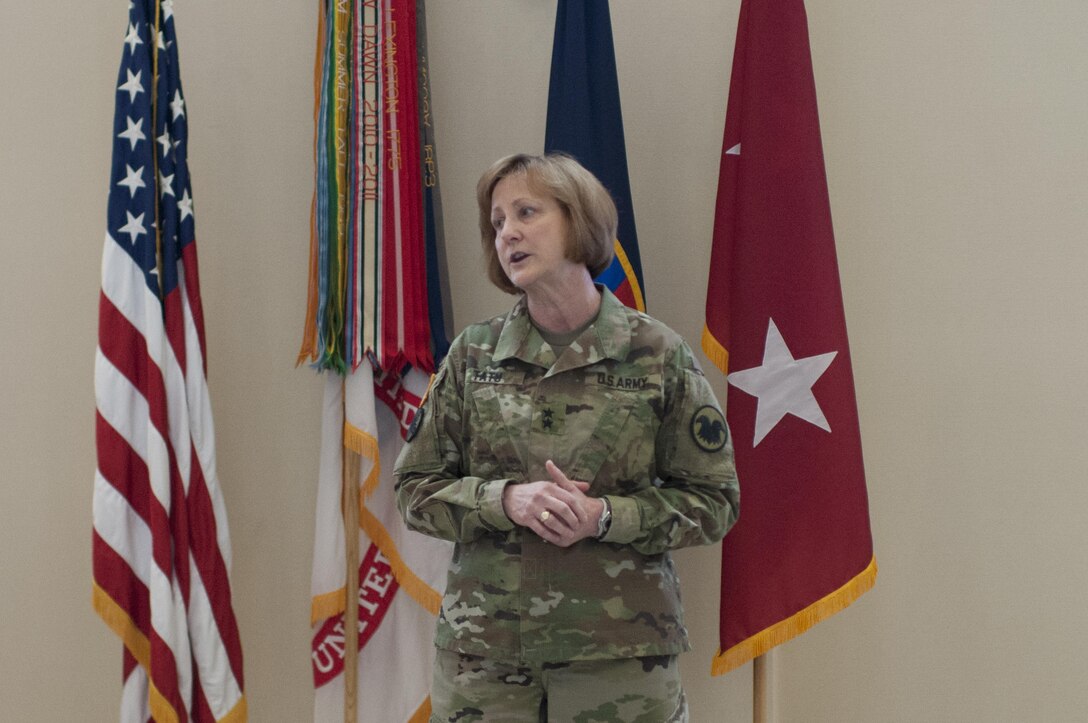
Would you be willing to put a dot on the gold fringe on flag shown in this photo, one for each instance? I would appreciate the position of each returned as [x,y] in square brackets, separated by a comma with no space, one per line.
[365,446]
[121,623]
[332,603]
[140,648]
[796,624]
[423,713]
[715,352]
[327,605]
[418,590]
[161,710]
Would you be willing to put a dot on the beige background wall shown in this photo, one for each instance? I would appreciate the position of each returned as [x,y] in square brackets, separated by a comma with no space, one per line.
[957,158]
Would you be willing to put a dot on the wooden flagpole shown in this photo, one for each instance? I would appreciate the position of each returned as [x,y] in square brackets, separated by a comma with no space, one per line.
[349,460]
[350,505]
[763,688]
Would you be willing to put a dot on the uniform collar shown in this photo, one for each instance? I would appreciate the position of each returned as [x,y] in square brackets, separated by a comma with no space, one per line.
[608,337]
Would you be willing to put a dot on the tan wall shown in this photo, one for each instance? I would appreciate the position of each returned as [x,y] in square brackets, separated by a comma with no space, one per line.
[958,166]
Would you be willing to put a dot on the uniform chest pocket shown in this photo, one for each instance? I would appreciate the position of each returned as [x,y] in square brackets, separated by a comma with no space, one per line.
[497,447]
[620,455]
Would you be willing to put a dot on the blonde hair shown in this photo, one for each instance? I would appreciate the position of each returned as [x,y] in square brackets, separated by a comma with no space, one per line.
[590,211]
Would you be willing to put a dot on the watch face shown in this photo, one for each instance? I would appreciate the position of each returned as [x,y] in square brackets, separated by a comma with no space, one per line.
[605,521]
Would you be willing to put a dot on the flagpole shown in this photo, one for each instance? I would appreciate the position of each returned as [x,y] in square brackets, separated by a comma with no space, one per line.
[763,688]
[350,502]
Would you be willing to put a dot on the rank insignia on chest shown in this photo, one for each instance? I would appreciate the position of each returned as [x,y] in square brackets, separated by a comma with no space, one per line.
[708,429]
[548,420]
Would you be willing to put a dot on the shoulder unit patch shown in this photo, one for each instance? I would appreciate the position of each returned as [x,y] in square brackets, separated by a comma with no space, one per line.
[708,429]
[417,420]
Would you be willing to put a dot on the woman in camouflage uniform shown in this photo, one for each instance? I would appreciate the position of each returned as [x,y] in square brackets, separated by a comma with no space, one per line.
[565,447]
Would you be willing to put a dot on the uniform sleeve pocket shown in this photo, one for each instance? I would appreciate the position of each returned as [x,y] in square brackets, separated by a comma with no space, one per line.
[493,452]
[422,452]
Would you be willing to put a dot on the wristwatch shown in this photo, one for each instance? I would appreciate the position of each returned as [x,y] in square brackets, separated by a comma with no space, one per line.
[606,519]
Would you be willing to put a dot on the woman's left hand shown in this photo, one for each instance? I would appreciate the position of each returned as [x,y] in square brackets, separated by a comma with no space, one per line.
[556,509]
[591,508]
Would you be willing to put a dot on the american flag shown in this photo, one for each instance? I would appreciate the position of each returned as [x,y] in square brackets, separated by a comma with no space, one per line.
[161,547]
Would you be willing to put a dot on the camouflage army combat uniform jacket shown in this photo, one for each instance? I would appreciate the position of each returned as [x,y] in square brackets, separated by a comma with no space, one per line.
[625,408]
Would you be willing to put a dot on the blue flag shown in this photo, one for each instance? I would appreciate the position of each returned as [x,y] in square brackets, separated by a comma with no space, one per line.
[584,121]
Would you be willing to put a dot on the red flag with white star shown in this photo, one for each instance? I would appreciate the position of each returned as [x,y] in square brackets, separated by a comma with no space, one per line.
[802,549]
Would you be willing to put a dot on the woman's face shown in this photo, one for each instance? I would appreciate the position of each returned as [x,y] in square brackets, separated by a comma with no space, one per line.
[530,234]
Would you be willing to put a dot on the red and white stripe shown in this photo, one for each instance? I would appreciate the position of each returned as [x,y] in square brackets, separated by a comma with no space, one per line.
[161,543]
[404,315]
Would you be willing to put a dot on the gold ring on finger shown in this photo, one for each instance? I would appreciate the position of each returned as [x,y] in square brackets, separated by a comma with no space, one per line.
[545,515]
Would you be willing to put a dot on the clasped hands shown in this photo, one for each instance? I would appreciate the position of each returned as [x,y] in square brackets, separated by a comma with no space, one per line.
[557,509]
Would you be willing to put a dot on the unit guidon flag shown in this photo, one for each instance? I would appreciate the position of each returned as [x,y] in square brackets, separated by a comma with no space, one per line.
[802,549]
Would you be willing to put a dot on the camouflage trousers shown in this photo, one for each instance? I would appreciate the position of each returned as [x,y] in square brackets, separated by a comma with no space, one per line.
[468,689]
